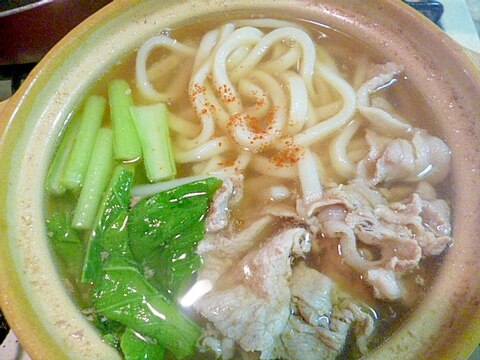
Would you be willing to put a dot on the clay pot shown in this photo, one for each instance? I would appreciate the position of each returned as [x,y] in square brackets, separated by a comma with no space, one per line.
[445,325]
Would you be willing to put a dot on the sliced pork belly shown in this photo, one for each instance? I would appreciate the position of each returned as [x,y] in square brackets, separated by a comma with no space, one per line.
[250,303]
[321,319]
[421,157]
[229,195]
[400,232]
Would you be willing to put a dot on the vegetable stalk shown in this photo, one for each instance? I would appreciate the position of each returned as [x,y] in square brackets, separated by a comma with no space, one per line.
[54,184]
[152,128]
[96,180]
[77,162]
[126,145]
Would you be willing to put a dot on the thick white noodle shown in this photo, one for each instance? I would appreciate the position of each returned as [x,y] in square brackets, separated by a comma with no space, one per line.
[254,93]
[205,48]
[262,181]
[360,73]
[197,86]
[327,111]
[200,167]
[356,155]
[298,107]
[237,56]
[254,141]
[219,114]
[324,91]
[143,83]
[283,62]
[239,165]
[163,67]
[196,92]
[241,37]
[264,166]
[278,49]
[299,37]
[214,164]
[180,82]
[338,151]
[203,152]
[210,44]
[312,117]
[181,126]
[327,127]
[309,175]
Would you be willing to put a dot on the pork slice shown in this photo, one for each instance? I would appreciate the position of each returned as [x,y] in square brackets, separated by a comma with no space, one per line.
[422,157]
[317,328]
[337,202]
[227,196]
[219,252]
[349,315]
[311,293]
[399,250]
[429,221]
[302,341]
[436,215]
[251,303]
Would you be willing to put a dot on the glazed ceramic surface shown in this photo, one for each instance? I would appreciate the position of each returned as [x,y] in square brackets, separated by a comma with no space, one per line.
[446,325]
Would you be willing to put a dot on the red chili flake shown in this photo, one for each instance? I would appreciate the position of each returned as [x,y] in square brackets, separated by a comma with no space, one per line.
[288,156]
[198,89]
[226,93]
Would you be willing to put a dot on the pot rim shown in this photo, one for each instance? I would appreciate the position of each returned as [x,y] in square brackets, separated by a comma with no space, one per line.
[14,298]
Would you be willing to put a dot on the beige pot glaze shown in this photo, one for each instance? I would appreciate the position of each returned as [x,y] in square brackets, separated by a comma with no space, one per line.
[446,325]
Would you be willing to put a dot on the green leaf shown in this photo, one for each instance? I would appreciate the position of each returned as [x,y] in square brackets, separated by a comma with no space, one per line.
[137,347]
[65,242]
[123,295]
[111,331]
[165,229]
[115,203]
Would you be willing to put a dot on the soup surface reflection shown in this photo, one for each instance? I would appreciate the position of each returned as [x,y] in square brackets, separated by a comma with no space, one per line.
[259,189]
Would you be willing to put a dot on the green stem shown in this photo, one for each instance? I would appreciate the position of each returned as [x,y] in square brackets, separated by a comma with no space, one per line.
[126,145]
[96,180]
[152,127]
[54,184]
[77,162]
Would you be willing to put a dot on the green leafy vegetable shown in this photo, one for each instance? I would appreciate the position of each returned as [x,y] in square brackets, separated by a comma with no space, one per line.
[123,295]
[137,347]
[110,330]
[116,202]
[165,229]
[66,243]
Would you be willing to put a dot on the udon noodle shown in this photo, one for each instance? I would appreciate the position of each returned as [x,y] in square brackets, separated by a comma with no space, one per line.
[327,212]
